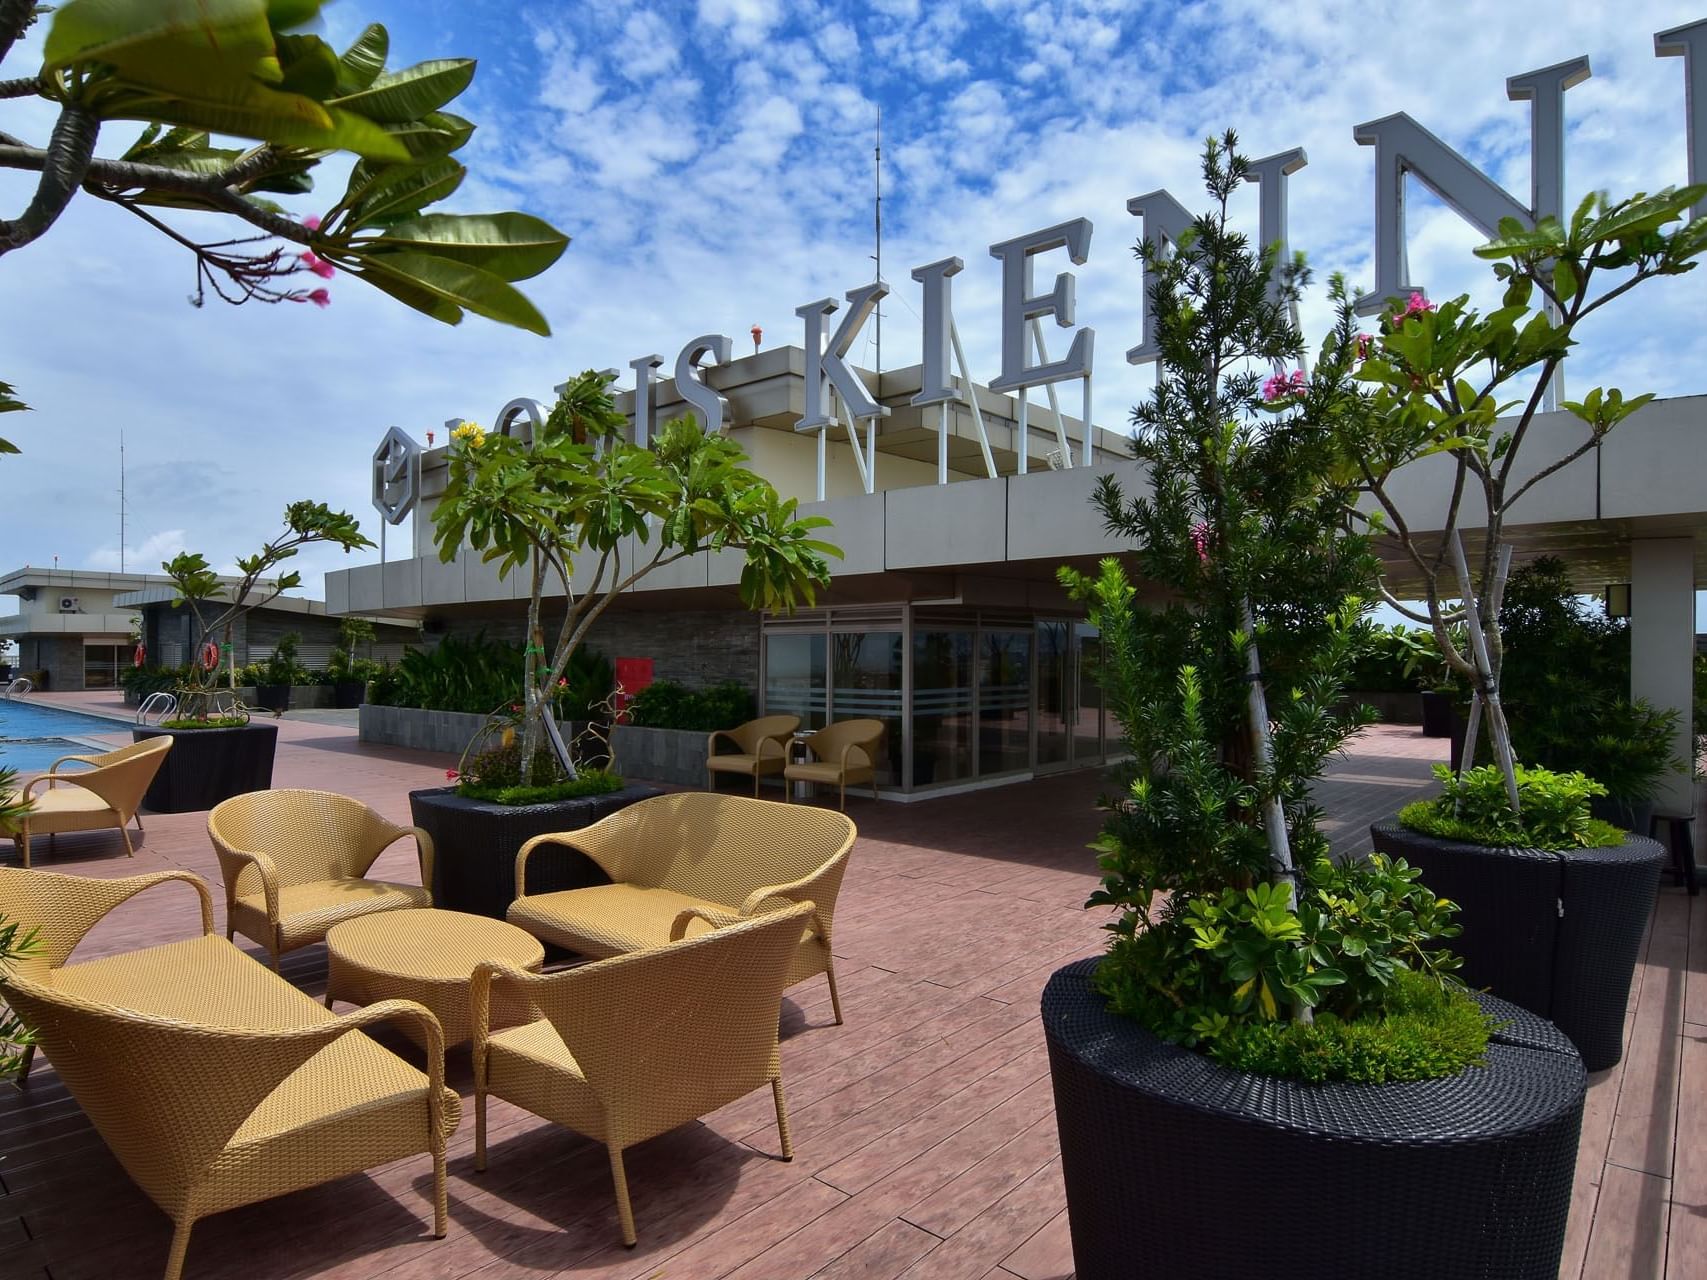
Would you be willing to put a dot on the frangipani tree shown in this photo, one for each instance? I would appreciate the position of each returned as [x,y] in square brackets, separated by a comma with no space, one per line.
[586,513]
[1451,380]
[307,523]
[193,72]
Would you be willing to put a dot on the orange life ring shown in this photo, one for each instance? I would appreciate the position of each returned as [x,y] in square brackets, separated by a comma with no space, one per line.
[210,656]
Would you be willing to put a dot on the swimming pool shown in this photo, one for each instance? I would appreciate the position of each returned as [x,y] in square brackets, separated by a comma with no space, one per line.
[33,736]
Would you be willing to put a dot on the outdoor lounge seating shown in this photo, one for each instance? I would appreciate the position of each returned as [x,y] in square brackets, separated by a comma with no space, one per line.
[843,752]
[726,857]
[106,794]
[215,1082]
[632,1047]
[763,749]
[294,864]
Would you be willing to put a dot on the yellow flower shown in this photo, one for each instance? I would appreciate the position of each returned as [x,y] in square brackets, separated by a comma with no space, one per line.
[470,433]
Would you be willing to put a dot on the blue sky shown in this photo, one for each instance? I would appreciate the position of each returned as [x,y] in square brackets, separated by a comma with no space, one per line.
[713,161]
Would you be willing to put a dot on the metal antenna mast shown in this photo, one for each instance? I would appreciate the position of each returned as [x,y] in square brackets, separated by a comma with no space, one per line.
[121,499]
[877,224]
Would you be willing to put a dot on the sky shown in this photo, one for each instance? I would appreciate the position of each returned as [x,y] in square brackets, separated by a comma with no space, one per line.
[713,162]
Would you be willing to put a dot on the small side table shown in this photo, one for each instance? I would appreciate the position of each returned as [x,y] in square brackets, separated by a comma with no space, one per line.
[427,955]
[800,753]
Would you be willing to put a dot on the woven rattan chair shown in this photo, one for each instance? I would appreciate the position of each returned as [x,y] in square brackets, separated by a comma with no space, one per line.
[843,752]
[635,1046]
[215,1082]
[728,857]
[106,794]
[762,748]
[294,864]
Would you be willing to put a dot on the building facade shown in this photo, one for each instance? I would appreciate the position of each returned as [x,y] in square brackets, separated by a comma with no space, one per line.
[945,620]
[69,631]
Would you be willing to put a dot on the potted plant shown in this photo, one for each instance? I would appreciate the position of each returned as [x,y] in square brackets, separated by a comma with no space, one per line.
[1438,380]
[1268,1027]
[349,673]
[15,1038]
[279,674]
[587,515]
[218,752]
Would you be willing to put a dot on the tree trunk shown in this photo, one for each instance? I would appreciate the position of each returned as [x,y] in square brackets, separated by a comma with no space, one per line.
[1487,681]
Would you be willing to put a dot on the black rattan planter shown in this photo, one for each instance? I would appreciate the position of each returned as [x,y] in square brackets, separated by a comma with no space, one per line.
[348,693]
[206,766]
[274,697]
[1557,933]
[1162,1150]
[475,845]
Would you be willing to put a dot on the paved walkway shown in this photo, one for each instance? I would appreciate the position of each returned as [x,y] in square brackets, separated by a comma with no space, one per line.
[924,1132]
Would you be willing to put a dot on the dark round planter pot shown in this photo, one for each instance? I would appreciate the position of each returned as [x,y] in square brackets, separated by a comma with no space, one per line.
[1465,1176]
[475,845]
[348,693]
[206,766]
[1557,933]
[1437,714]
[274,697]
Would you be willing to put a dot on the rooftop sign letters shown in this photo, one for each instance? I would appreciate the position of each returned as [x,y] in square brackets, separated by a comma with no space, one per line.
[1402,148]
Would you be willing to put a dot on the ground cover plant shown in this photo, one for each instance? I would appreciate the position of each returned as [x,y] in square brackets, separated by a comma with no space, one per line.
[1234,931]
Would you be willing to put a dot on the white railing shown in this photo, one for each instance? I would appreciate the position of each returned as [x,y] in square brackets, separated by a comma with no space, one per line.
[20,685]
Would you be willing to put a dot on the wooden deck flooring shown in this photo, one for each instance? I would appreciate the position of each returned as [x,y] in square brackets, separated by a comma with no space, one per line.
[923,1128]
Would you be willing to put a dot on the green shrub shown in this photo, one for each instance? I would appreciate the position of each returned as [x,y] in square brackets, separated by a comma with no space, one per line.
[1240,956]
[664,704]
[1565,683]
[1475,809]
[139,682]
[1423,1031]
[591,782]
[480,676]
[212,722]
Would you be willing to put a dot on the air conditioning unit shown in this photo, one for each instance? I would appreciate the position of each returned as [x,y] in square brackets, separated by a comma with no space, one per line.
[70,604]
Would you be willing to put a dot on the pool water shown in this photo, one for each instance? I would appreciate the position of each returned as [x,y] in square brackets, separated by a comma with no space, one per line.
[32,736]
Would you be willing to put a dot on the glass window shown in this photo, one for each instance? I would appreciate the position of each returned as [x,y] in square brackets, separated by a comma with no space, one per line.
[795,678]
[101,666]
[867,684]
[942,706]
[1087,727]
[1054,700]
[1004,701]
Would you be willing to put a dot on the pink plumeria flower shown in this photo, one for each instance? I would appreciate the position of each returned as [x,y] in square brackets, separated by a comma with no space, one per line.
[312,222]
[1200,540]
[1365,341]
[320,298]
[1417,305]
[452,774]
[318,265]
[1274,387]
[1299,382]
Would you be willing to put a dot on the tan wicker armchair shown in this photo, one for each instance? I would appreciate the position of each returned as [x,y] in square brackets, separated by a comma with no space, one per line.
[294,863]
[843,752]
[632,1047]
[107,794]
[727,857]
[215,1082]
[761,748]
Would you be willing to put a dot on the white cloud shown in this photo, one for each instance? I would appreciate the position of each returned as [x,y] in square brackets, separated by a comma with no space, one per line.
[714,164]
[143,557]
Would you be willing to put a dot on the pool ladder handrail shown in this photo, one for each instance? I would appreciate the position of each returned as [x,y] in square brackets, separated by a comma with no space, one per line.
[20,684]
[160,703]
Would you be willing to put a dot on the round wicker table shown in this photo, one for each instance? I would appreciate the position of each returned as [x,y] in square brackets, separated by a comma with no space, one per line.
[426,955]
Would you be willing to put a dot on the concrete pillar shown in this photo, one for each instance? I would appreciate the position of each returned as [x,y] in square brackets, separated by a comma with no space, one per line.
[1662,646]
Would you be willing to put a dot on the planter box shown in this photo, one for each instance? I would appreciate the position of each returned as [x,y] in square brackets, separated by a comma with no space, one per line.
[1465,1176]
[448,732]
[349,694]
[1557,933]
[1438,714]
[660,755]
[475,845]
[206,766]
[1394,707]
